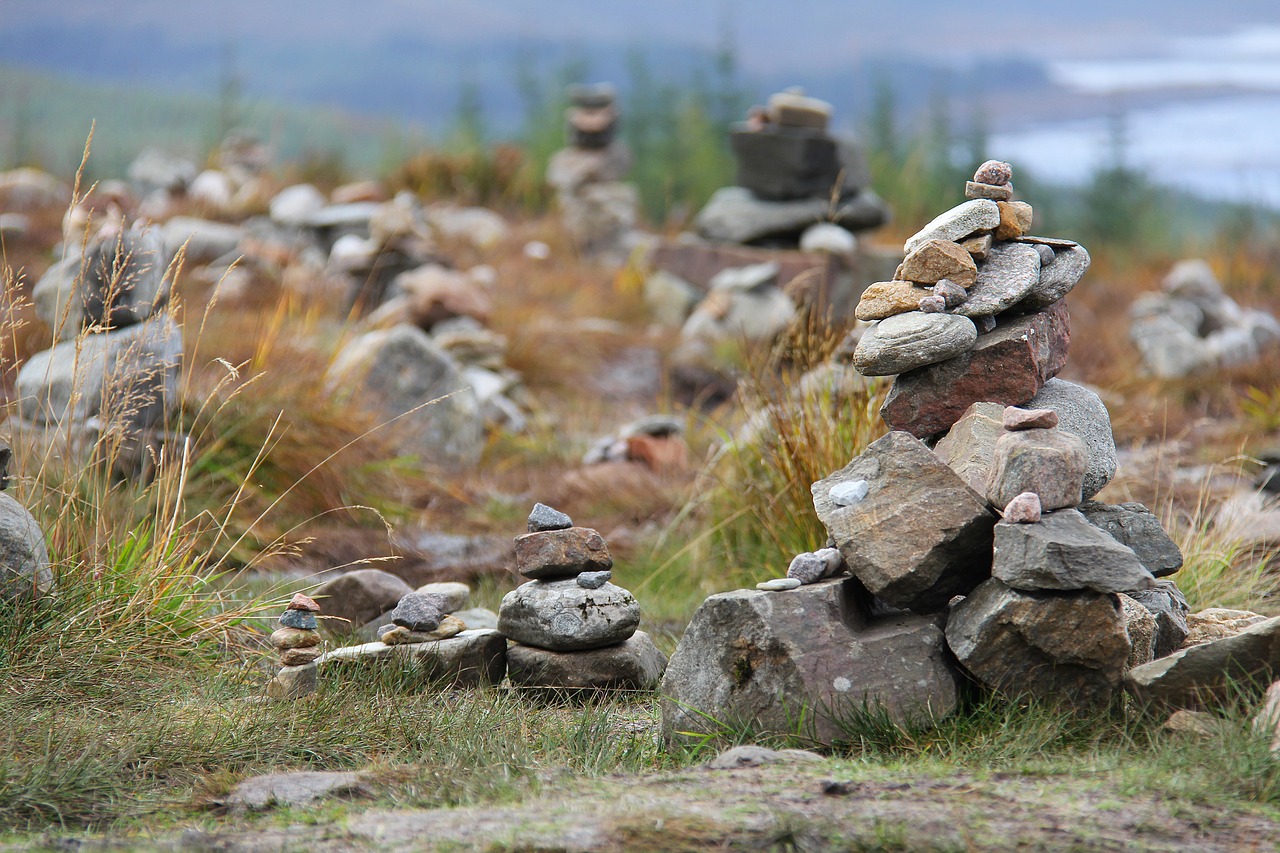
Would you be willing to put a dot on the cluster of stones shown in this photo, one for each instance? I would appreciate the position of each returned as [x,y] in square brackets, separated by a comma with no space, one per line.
[298,641]
[113,367]
[982,548]
[1192,326]
[571,628]
[789,170]
[600,209]
[974,313]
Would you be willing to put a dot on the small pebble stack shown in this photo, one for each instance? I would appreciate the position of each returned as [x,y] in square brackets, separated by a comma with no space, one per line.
[572,628]
[298,642]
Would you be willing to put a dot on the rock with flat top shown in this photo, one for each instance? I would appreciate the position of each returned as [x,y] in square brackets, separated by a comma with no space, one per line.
[937,260]
[564,617]
[1134,525]
[555,554]
[1049,462]
[909,341]
[634,664]
[957,223]
[1206,673]
[1064,552]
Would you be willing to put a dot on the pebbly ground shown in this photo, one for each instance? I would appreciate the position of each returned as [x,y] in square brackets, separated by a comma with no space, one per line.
[823,805]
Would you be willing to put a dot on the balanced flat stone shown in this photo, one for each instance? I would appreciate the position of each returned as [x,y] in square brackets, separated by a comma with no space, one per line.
[555,554]
[564,617]
[470,659]
[1134,525]
[1007,365]
[920,536]
[1206,673]
[634,664]
[1058,278]
[957,223]
[735,215]
[1059,646]
[419,611]
[809,659]
[886,298]
[908,341]
[1009,272]
[1065,552]
[969,446]
[1080,411]
[1049,462]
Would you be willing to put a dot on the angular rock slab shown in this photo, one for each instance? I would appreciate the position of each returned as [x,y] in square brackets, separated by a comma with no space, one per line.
[470,659]
[1064,552]
[915,339]
[1080,411]
[555,554]
[1049,462]
[635,664]
[1169,607]
[1134,525]
[920,536]
[299,788]
[1057,278]
[1067,647]
[1009,273]
[957,223]
[969,446]
[1204,673]
[565,617]
[803,661]
[1007,365]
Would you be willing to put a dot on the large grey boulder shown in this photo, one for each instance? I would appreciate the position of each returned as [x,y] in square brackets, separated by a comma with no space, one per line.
[803,662]
[919,536]
[1068,647]
[127,377]
[634,664]
[59,301]
[1207,672]
[1081,412]
[565,617]
[124,280]
[1134,525]
[359,596]
[203,240]
[24,560]
[1064,552]
[402,375]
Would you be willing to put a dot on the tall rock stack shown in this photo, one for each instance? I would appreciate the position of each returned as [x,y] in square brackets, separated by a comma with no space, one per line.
[984,549]
[572,629]
[117,352]
[298,641]
[600,209]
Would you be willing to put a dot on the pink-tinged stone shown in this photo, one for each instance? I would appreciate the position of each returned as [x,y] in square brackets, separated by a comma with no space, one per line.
[1008,366]
[994,172]
[1049,462]
[303,602]
[973,189]
[1023,509]
[1016,418]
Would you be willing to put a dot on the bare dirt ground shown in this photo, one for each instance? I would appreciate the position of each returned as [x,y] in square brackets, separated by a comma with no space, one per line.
[829,805]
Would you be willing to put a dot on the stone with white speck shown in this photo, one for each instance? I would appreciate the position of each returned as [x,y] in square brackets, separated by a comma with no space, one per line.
[848,494]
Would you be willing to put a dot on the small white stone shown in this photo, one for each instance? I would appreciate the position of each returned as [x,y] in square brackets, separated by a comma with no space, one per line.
[778,584]
[842,684]
[848,494]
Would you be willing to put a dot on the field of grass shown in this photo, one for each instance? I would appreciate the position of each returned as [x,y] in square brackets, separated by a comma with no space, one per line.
[134,694]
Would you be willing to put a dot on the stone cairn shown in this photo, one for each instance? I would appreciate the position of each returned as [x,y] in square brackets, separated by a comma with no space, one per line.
[298,641]
[572,629]
[982,548]
[113,369]
[789,170]
[599,208]
[1192,326]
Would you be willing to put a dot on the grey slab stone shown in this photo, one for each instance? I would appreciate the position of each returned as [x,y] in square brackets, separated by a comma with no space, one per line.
[915,339]
[1134,525]
[1005,277]
[1064,552]
[300,788]
[1057,278]
[564,617]
[957,223]
[1204,674]
[634,664]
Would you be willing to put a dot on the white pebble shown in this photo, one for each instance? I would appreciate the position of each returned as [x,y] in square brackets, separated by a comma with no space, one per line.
[778,584]
[848,494]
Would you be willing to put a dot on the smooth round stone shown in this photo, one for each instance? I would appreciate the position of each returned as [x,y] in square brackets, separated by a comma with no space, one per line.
[565,617]
[593,580]
[299,619]
[544,517]
[1023,509]
[850,493]
[915,339]
[779,584]
[1015,418]
[933,305]
[294,638]
[994,172]
[952,294]
[454,595]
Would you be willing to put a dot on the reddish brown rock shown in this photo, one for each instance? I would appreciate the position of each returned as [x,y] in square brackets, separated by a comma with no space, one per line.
[1015,418]
[554,554]
[1007,365]
[303,602]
